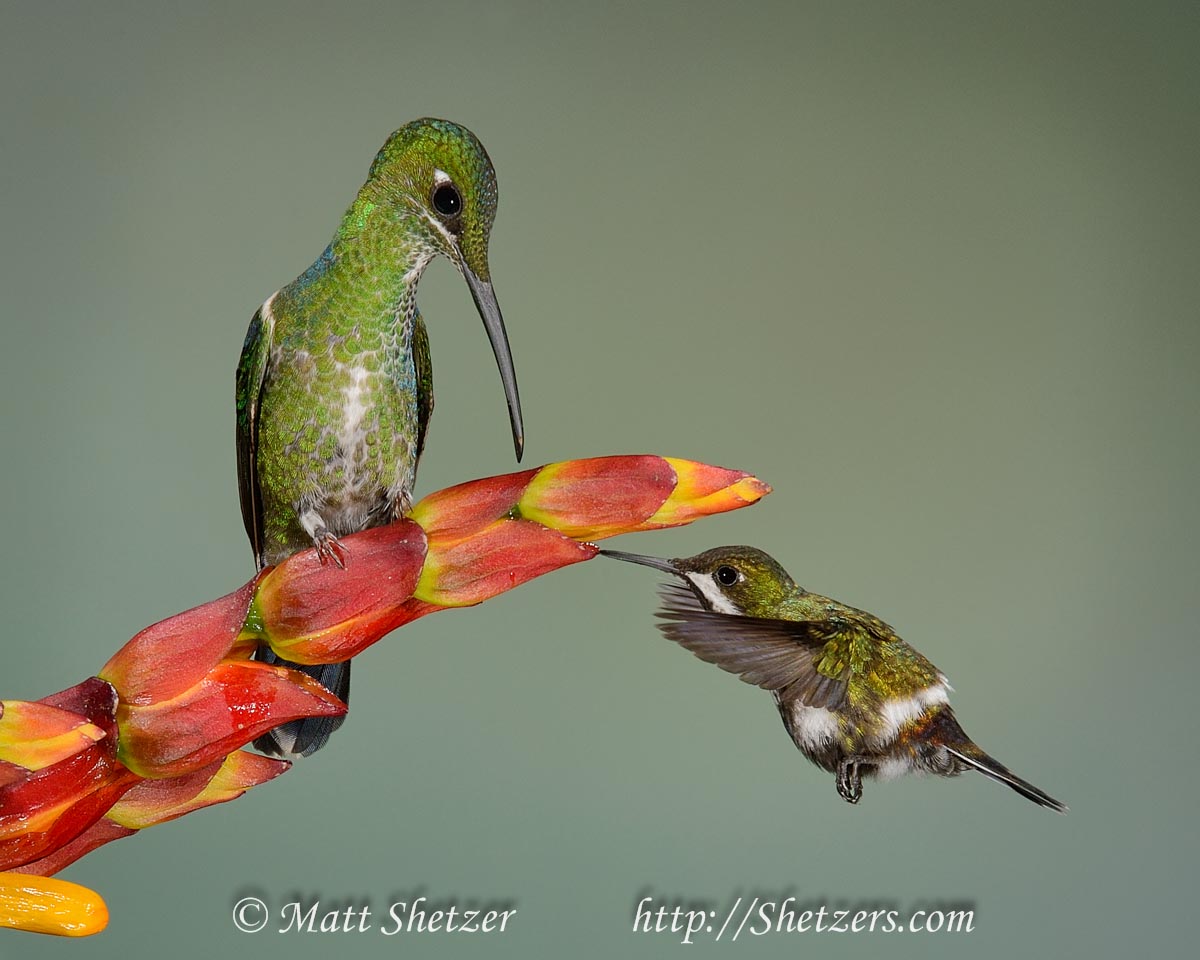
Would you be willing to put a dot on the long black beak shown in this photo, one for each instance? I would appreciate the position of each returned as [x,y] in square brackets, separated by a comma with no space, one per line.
[493,322]
[666,566]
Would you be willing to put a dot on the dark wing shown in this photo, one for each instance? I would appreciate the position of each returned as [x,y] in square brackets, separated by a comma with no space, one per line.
[251,370]
[779,655]
[424,368]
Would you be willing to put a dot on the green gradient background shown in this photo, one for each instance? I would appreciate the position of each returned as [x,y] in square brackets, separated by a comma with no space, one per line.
[929,270]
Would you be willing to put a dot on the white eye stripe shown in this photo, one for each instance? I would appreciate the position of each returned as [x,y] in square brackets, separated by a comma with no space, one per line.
[440,177]
[716,599]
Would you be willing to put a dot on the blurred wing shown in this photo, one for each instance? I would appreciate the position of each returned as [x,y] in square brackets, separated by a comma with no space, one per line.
[779,655]
[251,370]
[424,369]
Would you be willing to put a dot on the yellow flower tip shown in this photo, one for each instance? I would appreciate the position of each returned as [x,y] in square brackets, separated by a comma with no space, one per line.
[47,905]
[35,735]
[751,490]
[703,490]
[152,802]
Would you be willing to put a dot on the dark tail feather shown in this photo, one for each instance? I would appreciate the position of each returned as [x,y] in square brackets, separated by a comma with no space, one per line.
[305,737]
[975,758]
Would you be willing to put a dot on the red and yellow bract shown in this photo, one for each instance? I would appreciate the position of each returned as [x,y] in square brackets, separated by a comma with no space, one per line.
[158,732]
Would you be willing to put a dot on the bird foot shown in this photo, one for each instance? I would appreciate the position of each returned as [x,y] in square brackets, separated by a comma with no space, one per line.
[328,548]
[401,504]
[849,780]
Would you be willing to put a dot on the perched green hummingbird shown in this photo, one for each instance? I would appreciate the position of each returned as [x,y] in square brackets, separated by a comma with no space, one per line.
[857,700]
[335,383]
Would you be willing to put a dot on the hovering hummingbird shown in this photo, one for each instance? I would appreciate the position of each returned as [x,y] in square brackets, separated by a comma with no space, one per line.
[857,700]
[335,383]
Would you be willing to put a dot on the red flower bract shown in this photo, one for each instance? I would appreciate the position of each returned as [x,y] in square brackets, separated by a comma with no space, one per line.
[317,613]
[238,701]
[495,559]
[158,733]
[171,657]
[42,808]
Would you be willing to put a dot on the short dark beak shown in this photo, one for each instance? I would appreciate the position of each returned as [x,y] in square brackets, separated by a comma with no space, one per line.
[493,322]
[666,566]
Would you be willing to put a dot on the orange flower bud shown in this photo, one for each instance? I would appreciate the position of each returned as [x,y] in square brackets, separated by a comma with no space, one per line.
[42,905]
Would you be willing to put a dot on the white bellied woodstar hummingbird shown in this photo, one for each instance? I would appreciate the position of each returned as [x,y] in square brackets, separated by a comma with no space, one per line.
[335,383]
[856,699]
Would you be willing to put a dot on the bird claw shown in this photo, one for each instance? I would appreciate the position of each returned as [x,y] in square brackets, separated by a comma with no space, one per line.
[328,548]
[849,781]
[402,504]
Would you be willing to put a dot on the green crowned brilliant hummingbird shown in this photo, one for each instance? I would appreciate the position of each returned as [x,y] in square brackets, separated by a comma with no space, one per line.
[335,383]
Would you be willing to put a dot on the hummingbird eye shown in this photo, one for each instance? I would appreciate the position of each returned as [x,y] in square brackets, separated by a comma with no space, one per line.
[446,200]
[727,576]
